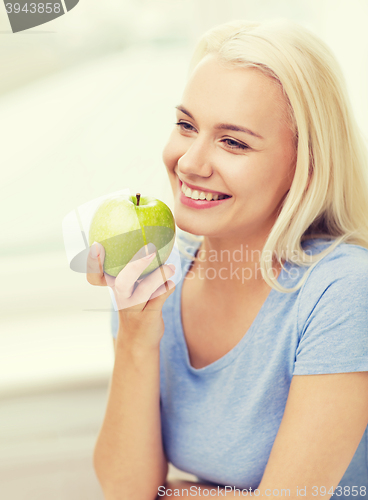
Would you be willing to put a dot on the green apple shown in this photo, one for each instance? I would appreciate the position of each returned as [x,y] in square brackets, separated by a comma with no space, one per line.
[123,224]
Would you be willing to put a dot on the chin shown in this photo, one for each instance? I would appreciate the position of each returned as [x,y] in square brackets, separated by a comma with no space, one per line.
[189,225]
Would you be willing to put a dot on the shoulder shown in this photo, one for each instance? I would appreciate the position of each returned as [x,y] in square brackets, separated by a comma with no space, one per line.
[346,263]
[338,281]
[332,314]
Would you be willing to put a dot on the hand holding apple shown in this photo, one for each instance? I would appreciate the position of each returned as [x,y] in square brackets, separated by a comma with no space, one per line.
[141,328]
[124,224]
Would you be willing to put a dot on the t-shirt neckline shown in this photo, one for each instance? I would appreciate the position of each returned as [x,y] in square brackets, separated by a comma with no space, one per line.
[227,358]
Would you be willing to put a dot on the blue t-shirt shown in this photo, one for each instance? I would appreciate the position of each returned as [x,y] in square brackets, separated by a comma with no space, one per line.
[219,422]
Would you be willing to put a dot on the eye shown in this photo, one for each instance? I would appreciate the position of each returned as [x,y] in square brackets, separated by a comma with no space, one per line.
[231,143]
[235,144]
[184,125]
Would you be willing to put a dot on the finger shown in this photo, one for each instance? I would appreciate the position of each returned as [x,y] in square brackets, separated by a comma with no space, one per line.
[158,297]
[125,280]
[95,260]
[147,287]
[128,303]
[110,280]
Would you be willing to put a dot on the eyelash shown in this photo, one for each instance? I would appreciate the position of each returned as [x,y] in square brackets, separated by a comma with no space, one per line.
[238,144]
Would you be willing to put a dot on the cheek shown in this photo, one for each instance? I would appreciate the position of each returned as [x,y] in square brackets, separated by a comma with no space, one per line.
[280,171]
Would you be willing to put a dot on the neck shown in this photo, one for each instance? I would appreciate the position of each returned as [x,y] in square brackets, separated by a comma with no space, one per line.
[231,266]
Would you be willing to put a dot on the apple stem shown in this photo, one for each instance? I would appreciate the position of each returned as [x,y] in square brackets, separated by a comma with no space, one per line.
[138,198]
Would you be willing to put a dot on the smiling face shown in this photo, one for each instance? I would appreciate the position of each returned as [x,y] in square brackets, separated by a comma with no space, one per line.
[255,168]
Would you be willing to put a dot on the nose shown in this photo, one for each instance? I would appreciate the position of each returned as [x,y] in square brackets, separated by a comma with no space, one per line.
[196,160]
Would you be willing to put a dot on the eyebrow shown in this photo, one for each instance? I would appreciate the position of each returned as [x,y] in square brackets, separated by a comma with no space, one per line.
[222,126]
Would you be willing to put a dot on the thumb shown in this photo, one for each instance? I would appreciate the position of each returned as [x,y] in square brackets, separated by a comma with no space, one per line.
[95,261]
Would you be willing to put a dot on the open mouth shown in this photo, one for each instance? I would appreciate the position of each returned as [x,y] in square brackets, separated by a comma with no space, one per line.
[197,195]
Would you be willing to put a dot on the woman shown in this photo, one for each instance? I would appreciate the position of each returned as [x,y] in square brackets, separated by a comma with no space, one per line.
[261,379]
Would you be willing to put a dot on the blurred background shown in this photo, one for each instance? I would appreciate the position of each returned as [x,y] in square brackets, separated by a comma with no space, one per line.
[86,106]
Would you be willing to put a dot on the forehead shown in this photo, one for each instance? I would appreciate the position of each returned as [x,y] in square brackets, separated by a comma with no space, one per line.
[243,96]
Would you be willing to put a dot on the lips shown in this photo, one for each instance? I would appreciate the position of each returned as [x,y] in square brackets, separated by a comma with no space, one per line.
[199,189]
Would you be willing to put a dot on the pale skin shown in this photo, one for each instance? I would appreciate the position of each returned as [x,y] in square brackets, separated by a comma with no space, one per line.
[325,415]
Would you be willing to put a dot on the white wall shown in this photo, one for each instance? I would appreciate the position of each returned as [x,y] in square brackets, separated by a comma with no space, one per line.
[97,123]
[85,133]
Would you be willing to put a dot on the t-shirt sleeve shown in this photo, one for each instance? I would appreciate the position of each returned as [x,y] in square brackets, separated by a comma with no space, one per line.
[333,315]
[114,323]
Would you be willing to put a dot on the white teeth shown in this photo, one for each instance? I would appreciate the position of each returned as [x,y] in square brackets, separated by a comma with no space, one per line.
[196,195]
[188,192]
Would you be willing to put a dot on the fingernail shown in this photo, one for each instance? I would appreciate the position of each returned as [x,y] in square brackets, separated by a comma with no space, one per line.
[172,267]
[94,250]
[148,257]
[151,248]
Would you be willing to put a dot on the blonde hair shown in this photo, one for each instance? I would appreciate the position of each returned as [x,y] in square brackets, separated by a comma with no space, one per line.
[328,197]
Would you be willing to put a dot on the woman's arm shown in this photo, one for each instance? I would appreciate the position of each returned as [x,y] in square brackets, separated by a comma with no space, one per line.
[128,458]
[324,421]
